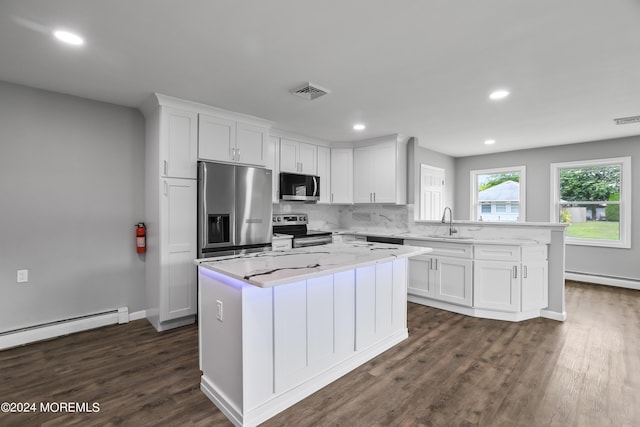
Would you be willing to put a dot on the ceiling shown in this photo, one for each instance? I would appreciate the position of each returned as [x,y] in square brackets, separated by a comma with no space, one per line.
[419,68]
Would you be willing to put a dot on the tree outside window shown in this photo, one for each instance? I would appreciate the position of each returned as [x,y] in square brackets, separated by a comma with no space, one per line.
[589,196]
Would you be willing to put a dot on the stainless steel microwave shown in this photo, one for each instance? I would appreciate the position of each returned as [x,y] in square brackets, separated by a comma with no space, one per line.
[297,187]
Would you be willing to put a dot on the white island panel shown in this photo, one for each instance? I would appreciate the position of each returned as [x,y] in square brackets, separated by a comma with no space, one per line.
[275,345]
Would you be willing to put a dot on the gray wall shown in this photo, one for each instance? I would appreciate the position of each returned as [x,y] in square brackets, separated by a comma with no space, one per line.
[72,188]
[621,263]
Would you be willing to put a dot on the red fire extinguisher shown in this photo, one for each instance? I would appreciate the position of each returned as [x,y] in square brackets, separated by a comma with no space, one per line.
[141,238]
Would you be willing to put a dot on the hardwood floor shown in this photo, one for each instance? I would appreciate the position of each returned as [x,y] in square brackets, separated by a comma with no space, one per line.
[453,370]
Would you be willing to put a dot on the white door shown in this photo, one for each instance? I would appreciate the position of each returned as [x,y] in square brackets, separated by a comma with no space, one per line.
[250,144]
[420,281]
[363,174]
[384,173]
[453,282]
[431,192]
[216,138]
[496,285]
[272,159]
[178,143]
[289,156]
[341,175]
[307,158]
[324,172]
[534,285]
[178,248]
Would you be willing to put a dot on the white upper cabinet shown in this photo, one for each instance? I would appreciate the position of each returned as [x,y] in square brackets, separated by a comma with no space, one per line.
[324,172]
[298,157]
[216,138]
[227,140]
[341,175]
[380,172]
[273,163]
[178,143]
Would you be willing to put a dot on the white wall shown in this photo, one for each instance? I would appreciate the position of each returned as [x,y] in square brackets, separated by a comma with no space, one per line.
[608,262]
[72,187]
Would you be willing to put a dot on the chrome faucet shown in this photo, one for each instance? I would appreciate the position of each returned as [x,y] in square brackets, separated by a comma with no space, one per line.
[452,230]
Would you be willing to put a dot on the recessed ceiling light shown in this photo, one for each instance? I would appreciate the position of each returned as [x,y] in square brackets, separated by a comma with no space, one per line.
[359,126]
[68,37]
[489,141]
[499,94]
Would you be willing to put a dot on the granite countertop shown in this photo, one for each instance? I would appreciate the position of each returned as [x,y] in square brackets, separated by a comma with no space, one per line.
[407,235]
[267,269]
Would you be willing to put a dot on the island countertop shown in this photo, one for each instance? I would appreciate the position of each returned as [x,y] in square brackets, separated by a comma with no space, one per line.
[266,269]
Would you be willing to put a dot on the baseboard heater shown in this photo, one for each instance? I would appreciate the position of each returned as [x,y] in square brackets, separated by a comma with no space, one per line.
[621,282]
[59,328]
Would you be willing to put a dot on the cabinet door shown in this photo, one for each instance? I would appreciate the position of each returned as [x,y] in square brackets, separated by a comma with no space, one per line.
[273,163]
[535,285]
[496,285]
[178,143]
[420,278]
[178,248]
[453,280]
[251,144]
[289,156]
[216,138]
[363,174]
[341,175]
[307,158]
[384,173]
[324,172]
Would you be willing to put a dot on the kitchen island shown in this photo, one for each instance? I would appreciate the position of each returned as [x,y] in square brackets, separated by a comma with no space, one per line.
[274,327]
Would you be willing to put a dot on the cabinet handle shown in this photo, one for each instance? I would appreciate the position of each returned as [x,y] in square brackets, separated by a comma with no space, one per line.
[331,197]
[430,263]
[237,154]
[374,197]
[165,189]
[515,271]
[232,153]
[165,166]
[524,271]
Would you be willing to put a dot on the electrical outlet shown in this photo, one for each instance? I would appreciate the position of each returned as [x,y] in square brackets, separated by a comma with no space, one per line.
[220,314]
[22,276]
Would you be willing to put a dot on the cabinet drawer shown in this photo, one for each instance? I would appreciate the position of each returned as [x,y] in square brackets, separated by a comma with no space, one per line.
[497,252]
[455,250]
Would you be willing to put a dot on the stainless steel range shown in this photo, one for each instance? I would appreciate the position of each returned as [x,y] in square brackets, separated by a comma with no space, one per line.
[296,226]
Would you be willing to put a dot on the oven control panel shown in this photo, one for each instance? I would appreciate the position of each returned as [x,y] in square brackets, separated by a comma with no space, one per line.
[290,219]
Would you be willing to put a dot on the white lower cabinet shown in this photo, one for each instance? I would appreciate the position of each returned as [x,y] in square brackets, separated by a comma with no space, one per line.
[507,279]
[453,280]
[444,274]
[510,278]
[178,297]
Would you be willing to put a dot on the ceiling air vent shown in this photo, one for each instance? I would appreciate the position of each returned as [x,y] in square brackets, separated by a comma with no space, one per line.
[310,91]
[627,120]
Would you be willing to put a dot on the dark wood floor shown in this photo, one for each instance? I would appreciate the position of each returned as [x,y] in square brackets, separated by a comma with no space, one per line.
[452,371]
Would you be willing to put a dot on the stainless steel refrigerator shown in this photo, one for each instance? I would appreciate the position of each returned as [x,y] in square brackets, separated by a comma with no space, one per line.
[234,209]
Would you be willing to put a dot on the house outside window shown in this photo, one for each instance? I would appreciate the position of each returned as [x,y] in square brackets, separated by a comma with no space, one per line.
[498,194]
[594,197]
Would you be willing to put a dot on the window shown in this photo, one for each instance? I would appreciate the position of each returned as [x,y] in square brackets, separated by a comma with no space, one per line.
[498,194]
[594,197]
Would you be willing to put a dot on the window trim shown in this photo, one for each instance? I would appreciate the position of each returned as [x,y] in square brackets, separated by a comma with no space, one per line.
[625,200]
[473,174]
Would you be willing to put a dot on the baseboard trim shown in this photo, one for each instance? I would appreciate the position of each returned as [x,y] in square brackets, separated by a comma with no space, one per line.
[65,327]
[603,280]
